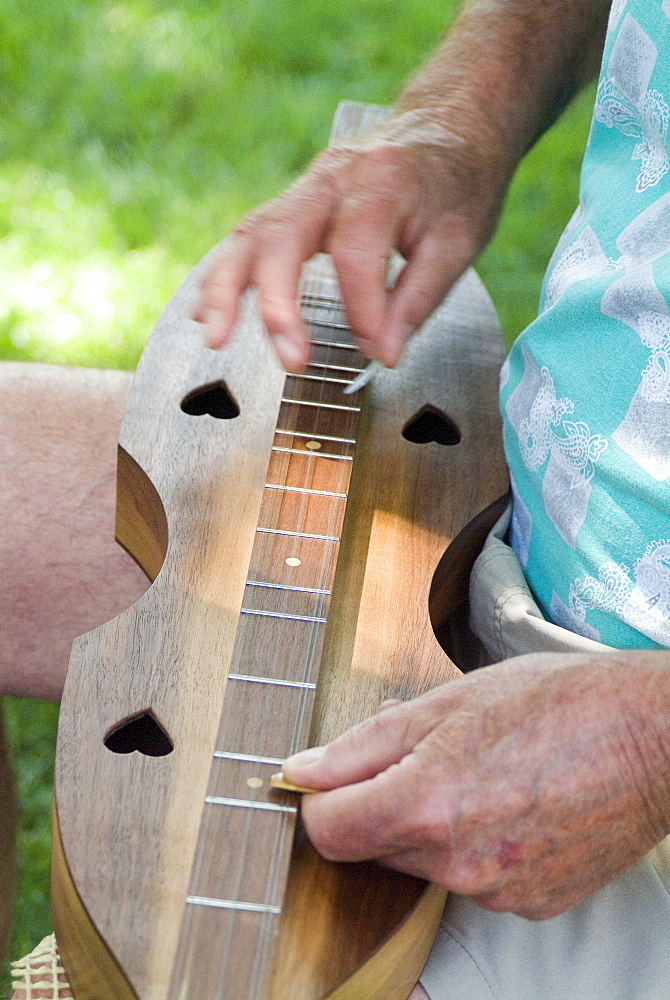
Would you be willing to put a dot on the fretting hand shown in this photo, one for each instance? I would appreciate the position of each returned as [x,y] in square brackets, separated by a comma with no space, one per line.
[412,185]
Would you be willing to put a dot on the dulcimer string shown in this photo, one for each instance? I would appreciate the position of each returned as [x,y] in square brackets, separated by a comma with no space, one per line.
[291,577]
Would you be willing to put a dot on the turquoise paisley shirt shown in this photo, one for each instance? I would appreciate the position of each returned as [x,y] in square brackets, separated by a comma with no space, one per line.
[585,392]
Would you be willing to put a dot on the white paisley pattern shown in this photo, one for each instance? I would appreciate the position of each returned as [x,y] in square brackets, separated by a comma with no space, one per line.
[534,410]
[649,124]
[624,103]
[643,603]
[644,433]
[576,445]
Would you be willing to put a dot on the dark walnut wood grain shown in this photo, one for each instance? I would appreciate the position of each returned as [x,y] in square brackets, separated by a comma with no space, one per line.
[292,541]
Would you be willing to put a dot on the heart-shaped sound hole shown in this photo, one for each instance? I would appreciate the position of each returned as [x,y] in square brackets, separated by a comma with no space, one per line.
[143,733]
[431,424]
[215,399]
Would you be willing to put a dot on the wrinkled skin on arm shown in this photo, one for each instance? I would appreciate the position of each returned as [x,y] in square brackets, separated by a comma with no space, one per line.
[429,183]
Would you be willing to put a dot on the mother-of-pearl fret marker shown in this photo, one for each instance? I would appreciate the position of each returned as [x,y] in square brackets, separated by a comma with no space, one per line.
[292,561]
[313,445]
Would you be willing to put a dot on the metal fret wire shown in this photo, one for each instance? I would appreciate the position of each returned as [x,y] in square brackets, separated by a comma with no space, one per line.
[350,417]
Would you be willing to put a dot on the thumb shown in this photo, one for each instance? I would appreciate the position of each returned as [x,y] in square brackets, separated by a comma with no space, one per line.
[359,754]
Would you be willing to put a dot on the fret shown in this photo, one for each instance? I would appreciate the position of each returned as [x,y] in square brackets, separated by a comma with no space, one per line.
[232,904]
[328,343]
[325,406]
[328,325]
[222,800]
[320,378]
[279,614]
[301,489]
[318,437]
[327,301]
[307,685]
[314,512]
[297,534]
[247,758]
[313,454]
[285,586]
[294,644]
[316,422]
[246,705]
[335,368]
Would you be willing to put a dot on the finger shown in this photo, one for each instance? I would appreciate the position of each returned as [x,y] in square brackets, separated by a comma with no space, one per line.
[389,703]
[277,278]
[361,242]
[358,754]
[430,272]
[385,815]
[217,304]
[291,231]
[378,742]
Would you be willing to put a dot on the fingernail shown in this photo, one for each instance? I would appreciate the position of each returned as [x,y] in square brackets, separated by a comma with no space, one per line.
[212,330]
[395,347]
[290,353]
[303,759]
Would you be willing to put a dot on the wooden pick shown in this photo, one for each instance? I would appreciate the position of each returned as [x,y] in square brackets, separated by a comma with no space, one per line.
[278,781]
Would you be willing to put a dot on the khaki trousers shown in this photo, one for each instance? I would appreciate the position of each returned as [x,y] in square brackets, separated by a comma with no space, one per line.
[613,946]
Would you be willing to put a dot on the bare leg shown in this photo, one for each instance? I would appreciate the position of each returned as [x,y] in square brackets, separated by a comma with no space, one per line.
[61,572]
[418,993]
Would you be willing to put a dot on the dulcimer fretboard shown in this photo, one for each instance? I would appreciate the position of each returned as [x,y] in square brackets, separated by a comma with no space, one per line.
[244,846]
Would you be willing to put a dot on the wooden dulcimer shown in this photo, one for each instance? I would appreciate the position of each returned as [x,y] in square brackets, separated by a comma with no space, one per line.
[292,533]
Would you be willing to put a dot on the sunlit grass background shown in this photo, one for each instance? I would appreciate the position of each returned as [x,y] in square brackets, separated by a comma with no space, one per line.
[132,137]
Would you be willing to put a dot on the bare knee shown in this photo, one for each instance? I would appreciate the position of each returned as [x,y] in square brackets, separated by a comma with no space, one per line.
[61,572]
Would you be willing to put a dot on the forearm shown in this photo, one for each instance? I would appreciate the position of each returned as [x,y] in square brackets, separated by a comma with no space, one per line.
[507,68]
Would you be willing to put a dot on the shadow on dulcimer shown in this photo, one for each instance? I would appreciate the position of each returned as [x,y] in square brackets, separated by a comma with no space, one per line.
[292,533]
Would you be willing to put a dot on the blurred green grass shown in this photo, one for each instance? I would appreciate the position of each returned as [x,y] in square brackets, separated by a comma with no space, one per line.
[132,137]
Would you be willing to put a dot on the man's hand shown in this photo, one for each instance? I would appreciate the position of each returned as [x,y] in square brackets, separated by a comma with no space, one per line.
[526,785]
[428,183]
[413,185]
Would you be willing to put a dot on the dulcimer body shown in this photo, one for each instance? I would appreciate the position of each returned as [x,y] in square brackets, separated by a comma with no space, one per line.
[292,533]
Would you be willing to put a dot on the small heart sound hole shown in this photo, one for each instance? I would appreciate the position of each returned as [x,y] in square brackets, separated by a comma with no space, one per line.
[143,733]
[431,424]
[215,399]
